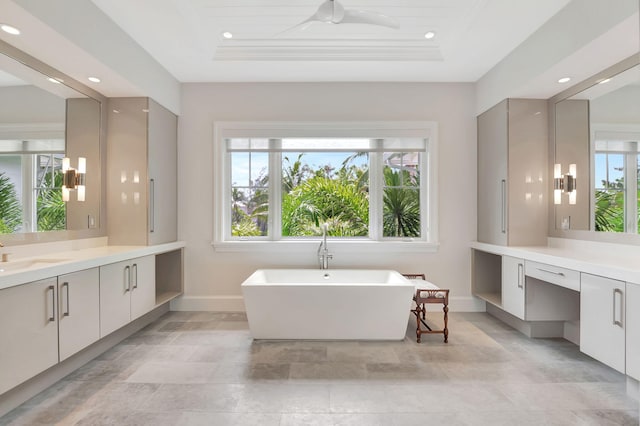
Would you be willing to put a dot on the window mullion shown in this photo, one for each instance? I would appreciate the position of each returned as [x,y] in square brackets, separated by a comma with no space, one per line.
[631,193]
[275,189]
[376,189]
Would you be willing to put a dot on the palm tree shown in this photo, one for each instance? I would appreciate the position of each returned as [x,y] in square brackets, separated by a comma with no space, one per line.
[52,213]
[10,209]
[401,205]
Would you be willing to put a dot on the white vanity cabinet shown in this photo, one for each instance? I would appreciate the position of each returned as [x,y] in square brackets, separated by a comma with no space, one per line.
[633,330]
[141,172]
[512,170]
[127,291]
[602,321]
[28,331]
[513,286]
[78,311]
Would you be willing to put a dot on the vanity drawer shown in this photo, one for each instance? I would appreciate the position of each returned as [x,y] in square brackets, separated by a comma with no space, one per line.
[553,274]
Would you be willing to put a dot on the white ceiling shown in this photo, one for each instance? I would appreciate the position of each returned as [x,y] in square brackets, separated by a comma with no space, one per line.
[185,37]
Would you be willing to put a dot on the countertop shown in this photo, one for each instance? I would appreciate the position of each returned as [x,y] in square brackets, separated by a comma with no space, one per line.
[616,261]
[64,262]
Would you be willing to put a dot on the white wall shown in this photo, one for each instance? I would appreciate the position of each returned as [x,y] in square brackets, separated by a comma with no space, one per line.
[212,279]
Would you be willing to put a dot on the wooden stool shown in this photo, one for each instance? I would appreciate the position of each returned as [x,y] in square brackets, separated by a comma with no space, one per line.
[427,292]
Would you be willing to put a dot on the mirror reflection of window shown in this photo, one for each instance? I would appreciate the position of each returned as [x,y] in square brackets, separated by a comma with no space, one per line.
[30,186]
[615,185]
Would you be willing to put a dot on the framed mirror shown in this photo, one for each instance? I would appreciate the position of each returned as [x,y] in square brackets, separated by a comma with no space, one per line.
[597,144]
[45,117]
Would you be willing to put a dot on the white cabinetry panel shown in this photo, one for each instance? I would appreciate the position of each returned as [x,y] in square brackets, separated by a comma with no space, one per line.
[513,290]
[602,333]
[633,330]
[28,331]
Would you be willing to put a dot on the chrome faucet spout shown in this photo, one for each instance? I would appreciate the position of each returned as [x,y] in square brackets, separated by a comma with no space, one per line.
[323,250]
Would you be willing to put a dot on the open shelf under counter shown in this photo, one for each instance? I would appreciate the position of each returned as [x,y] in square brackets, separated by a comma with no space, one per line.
[169,275]
[493,298]
[487,277]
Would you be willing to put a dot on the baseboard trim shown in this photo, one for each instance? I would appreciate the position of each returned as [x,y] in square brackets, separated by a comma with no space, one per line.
[23,392]
[532,329]
[236,304]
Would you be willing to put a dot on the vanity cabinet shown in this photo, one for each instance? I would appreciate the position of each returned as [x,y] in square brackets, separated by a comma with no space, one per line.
[512,170]
[141,172]
[28,331]
[78,311]
[633,330]
[127,291]
[513,286]
[602,321]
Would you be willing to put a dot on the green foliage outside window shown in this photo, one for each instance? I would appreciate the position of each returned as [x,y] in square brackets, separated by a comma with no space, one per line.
[10,209]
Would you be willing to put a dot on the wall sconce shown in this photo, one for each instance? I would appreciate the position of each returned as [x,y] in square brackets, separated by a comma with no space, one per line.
[73,179]
[564,183]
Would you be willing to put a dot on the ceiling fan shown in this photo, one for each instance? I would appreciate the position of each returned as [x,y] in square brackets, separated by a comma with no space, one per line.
[332,12]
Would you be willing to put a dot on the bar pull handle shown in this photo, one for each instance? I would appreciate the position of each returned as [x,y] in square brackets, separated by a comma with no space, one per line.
[152,205]
[503,189]
[127,278]
[67,311]
[134,269]
[560,274]
[616,321]
[52,318]
[520,276]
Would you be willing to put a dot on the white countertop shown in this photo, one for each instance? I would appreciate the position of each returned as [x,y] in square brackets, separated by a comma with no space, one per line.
[616,261]
[64,262]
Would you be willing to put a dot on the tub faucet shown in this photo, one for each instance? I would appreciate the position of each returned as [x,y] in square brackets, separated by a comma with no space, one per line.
[323,250]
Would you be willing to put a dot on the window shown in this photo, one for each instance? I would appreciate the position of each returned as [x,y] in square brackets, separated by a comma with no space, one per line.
[616,181]
[279,182]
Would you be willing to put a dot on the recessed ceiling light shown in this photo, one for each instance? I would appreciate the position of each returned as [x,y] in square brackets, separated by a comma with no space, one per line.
[606,80]
[94,79]
[227,35]
[564,79]
[429,35]
[54,80]
[9,29]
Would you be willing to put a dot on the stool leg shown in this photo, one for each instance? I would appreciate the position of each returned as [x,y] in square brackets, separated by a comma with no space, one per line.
[418,323]
[424,312]
[446,320]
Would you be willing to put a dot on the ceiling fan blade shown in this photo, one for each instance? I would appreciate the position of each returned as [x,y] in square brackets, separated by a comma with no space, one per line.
[300,26]
[355,16]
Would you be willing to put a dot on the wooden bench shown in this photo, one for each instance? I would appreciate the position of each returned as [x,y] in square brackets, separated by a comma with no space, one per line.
[427,292]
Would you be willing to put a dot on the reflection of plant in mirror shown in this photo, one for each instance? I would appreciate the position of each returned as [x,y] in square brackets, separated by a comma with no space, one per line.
[51,208]
[609,211]
[10,210]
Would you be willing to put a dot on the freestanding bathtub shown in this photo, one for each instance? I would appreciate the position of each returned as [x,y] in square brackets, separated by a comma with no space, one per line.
[328,304]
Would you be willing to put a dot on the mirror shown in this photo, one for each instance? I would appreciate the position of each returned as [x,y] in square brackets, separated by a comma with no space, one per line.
[43,120]
[598,130]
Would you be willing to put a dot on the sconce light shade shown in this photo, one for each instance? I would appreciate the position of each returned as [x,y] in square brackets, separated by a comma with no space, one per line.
[564,183]
[74,179]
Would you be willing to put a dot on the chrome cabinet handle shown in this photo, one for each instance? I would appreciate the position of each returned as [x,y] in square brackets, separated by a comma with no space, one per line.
[560,274]
[134,269]
[67,312]
[615,321]
[520,275]
[503,188]
[52,318]
[152,205]
[127,278]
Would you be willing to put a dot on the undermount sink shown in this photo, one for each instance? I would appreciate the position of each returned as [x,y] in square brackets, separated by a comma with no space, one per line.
[28,263]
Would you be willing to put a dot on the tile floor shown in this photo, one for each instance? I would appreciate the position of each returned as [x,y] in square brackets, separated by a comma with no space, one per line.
[191,368]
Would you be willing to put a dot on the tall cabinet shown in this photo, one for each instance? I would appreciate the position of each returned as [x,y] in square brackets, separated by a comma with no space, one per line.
[512,173]
[141,172]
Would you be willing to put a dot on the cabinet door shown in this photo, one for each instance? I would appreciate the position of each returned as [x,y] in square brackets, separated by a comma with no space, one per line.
[513,290]
[492,175]
[143,286]
[602,334]
[115,296]
[633,330]
[163,176]
[78,311]
[28,331]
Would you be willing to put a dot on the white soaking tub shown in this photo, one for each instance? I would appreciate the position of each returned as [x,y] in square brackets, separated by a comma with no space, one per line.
[328,304]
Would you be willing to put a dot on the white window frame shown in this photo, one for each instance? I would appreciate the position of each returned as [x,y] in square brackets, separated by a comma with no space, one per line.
[428,130]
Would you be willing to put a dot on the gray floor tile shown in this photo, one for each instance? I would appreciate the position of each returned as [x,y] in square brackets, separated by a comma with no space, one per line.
[197,368]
